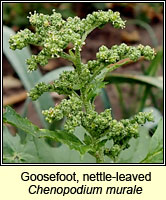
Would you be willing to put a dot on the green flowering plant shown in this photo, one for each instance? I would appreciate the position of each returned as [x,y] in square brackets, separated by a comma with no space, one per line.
[83,84]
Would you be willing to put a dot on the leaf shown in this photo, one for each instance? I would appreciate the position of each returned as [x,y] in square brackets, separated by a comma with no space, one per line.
[138,148]
[144,149]
[11,117]
[155,154]
[17,59]
[155,63]
[37,151]
[105,98]
[61,154]
[139,79]
[14,151]
[87,139]
[66,138]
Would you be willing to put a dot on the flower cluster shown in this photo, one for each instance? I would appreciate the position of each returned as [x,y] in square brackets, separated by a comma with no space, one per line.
[82,84]
[38,90]
[71,108]
[54,34]
[117,53]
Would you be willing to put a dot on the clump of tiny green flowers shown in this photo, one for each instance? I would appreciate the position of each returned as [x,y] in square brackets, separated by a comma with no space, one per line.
[83,84]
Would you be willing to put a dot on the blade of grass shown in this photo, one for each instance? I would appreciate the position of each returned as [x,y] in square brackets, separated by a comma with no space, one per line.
[154,65]
[137,79]
[148,29]
[144,98]
[151,71]
[121,101]
[106,101]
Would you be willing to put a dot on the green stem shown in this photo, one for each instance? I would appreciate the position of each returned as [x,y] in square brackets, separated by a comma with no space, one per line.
[77,62]
[67,56]
[87,32]
[99,159]
[104,69]
[112,68]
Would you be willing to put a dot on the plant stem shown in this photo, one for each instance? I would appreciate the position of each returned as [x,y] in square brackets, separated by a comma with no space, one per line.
[67,56]
[99,159]
[77,59]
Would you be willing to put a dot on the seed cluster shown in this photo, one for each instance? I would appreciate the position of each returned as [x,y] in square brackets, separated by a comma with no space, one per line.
[82,84]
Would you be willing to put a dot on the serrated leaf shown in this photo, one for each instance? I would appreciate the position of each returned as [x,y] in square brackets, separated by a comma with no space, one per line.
[14,151]
[38,151]
[66,138]
[11,117]
[155,154]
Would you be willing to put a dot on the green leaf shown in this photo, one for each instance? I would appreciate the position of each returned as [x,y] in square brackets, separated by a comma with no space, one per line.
[66,138]
[61,154]
[87,139]
[105,98]
[138,148]
[151,71]
[37,151]
[155,63]
[139,79]
[144,149]
[14,151]
[155,154]
[11,117]
[17,59]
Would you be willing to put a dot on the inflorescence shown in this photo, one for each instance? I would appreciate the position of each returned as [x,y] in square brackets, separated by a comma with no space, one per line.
[83,84]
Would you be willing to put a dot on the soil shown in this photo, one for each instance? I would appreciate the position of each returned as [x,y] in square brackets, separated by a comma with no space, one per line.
[106,36]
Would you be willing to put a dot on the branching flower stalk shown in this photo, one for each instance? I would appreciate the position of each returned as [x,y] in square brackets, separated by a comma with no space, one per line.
[83,84]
